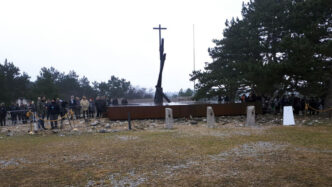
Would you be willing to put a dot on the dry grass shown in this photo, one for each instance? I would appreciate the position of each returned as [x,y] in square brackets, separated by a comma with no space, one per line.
[184,156]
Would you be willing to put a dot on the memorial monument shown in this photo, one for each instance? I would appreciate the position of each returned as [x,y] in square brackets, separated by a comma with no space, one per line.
[159,94]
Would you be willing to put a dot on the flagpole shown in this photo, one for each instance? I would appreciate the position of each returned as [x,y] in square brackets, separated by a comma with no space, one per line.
[194,53]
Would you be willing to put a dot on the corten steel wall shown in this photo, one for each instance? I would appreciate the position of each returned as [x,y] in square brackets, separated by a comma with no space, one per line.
[179,111]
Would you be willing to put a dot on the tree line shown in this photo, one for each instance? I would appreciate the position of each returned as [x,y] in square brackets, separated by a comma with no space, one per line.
[54,84]
[278,47]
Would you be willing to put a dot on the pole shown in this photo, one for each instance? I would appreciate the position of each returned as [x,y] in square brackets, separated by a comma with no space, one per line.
[194,52]
[129,121]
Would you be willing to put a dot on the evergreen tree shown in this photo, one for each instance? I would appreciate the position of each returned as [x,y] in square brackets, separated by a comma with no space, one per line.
[278,46]
[14,85]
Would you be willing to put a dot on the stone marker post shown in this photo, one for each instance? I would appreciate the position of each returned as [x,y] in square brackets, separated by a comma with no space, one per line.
[210,119]
[35,127]
[288,116]
[250,116]
[169,118]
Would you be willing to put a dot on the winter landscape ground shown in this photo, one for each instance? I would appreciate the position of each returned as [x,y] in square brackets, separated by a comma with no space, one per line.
[105,153]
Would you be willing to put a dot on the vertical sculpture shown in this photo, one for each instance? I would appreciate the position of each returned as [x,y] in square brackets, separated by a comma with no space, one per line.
[159,94]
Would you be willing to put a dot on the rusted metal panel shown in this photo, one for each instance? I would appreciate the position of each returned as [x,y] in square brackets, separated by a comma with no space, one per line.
[179,111]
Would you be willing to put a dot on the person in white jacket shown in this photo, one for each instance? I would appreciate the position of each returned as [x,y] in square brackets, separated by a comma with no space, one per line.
[85,107]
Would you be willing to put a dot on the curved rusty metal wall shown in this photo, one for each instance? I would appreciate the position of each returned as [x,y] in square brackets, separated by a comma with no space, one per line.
[179,111]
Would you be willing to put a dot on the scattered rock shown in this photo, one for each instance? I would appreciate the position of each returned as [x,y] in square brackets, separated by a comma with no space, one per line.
[193,122]
[103,131]
[95,123]
[55,131]
[107,126]
[10,133]
[224,123]
[90,183]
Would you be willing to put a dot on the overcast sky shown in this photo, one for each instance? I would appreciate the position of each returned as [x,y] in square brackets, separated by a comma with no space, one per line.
[100,38]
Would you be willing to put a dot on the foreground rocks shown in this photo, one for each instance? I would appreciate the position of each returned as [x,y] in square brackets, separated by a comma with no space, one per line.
[106,126]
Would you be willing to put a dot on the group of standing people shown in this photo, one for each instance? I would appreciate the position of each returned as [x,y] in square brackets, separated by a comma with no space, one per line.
[77,108]
[18,112]
[87,108]
[52,109]
[303,105]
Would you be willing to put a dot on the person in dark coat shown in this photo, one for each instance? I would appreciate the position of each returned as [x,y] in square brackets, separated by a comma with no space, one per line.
[297,105]
[92,109]
[103,105]
[33,109]
[78,108]
[98,106]
[72,105]
[13,113]
[124,101]
[63,111]
[3,114]
[72,102]
[41,112]
[115,101]
[47,104]
[23,112]
[54,111]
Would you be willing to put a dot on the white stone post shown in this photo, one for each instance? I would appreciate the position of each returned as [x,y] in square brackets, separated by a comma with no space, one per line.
[250,116]
[35,127]
[210,119]
[288,116]
[169,118]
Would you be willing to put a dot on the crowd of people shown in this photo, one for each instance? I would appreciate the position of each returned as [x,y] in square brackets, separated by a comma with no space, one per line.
[53,110]
[303,105]
[79,108]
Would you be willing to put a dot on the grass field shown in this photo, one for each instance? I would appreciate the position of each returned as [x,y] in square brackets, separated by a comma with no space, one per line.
[184,156]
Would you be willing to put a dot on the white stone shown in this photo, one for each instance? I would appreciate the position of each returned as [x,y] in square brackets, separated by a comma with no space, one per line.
[250,116]
[35,127]
[169,118]
[288,117]
[210,118]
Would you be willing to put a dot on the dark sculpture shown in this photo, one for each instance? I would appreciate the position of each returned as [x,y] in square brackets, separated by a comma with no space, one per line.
[159,95]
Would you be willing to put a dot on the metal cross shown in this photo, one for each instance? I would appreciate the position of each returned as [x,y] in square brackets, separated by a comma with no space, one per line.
[159,28]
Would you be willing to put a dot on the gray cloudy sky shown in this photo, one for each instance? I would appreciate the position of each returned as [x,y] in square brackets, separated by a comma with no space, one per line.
[100,38]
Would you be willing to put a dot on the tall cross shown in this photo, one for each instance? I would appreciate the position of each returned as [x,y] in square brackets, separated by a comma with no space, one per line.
[159,28]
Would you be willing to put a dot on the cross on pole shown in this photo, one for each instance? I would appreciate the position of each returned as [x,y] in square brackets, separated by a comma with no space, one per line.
[159,28]
[159,95]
